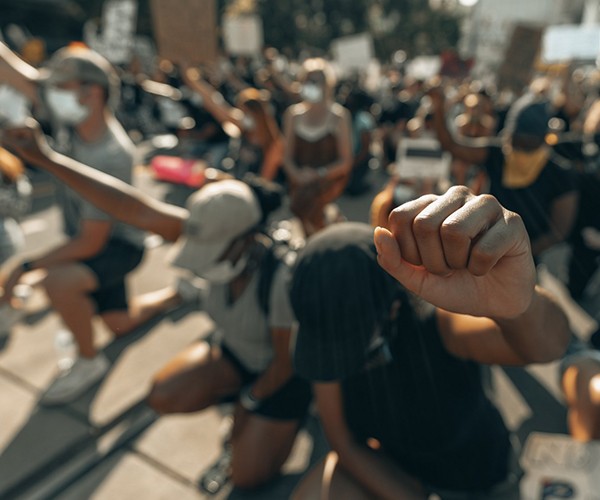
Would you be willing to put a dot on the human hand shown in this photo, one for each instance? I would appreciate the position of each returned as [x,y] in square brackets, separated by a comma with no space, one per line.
[27,142]
[463,253]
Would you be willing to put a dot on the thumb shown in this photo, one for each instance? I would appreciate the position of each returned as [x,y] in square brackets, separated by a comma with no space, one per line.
[390,259]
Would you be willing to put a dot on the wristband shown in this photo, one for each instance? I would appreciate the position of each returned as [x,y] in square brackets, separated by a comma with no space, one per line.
[247,400]
[322,171]
[27,266]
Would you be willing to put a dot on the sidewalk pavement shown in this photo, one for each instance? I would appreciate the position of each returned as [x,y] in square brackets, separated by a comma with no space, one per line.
[109,445]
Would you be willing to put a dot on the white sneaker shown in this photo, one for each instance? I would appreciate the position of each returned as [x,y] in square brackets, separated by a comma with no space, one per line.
[9,316]
[72,383]
[190,291]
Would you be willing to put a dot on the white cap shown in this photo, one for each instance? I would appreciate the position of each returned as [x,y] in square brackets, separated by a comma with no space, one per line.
[219,212]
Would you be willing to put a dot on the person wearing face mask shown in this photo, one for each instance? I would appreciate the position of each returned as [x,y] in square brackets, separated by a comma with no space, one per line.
[318,149]
[219,236]
[85,275]
[524,174]
[260,150]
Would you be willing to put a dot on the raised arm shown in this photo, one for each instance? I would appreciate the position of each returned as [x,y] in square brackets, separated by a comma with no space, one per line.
[15,72]
[212,100]
[115,197]
[475,152]
[471,257]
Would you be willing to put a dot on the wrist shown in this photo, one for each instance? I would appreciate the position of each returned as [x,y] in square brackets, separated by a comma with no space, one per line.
[322,172]
[247,400]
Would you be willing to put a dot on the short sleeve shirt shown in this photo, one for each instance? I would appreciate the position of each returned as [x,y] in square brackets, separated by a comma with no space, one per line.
[533,203]
[245,328]
[112,154]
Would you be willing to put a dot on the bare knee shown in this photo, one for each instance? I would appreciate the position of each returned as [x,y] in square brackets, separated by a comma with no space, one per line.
[250,474]
[162,400]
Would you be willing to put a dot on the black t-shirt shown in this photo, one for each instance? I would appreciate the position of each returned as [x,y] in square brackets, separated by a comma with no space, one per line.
[428,409]
[534,202]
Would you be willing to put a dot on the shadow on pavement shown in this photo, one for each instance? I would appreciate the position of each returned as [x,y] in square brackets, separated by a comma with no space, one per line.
[63,437]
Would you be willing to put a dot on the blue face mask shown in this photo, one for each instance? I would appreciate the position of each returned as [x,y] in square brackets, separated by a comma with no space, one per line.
[65,106]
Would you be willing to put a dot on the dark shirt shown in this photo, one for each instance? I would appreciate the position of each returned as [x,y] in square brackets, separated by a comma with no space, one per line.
[534,202]
[427,408]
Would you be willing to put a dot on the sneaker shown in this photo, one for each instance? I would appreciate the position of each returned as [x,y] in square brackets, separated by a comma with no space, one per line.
[218,474]
[9,316]
[72,383]
[189,290]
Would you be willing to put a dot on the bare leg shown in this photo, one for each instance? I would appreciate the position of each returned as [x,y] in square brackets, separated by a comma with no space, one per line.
[142,309]
[195,379]
[260,446]
[581,385]
[67,288]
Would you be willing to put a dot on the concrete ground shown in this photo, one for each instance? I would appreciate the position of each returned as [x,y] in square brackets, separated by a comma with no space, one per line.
[110,445]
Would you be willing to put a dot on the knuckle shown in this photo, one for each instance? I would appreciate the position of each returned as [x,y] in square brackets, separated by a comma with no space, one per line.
[460,191]
[452,231]
[423,225]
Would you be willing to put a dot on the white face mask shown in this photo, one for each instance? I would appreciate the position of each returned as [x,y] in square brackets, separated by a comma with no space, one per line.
[224,271]
[65,106]
[312,93]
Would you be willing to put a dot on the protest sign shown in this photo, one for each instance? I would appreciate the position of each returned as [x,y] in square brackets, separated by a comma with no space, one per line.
[353,52]
[519,60]
[570,42]
[556,466]
[185,30]
[243,35]
[422,158]
[118,30]
[424,67]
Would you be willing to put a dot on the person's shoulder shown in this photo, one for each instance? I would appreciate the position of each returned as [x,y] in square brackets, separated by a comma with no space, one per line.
[339,111]
[559,162]
[296,110]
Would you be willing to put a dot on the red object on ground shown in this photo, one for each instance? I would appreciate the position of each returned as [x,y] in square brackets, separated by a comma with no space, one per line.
[178,170]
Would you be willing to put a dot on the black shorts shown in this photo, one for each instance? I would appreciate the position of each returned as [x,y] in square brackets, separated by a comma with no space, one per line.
[111,267]
[290,402]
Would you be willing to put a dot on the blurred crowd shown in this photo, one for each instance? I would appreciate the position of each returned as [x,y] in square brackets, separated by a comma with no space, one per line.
[384,329]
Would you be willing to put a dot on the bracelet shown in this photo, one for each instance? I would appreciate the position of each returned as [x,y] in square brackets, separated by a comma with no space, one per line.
[247,400]
[27,266]
[322,172]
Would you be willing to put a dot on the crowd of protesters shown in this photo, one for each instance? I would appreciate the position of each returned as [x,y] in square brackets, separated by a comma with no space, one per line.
[385,328]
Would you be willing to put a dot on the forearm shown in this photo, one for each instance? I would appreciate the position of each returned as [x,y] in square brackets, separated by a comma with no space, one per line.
[337,169]
[378,474]
[541,333]
[212,100]
[76,249]
[113,196]
[16,72]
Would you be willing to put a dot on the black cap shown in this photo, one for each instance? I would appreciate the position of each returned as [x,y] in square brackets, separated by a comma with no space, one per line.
[340,295]
[528,116]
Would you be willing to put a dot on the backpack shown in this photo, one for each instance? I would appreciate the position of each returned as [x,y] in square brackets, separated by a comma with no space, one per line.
[284,249]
